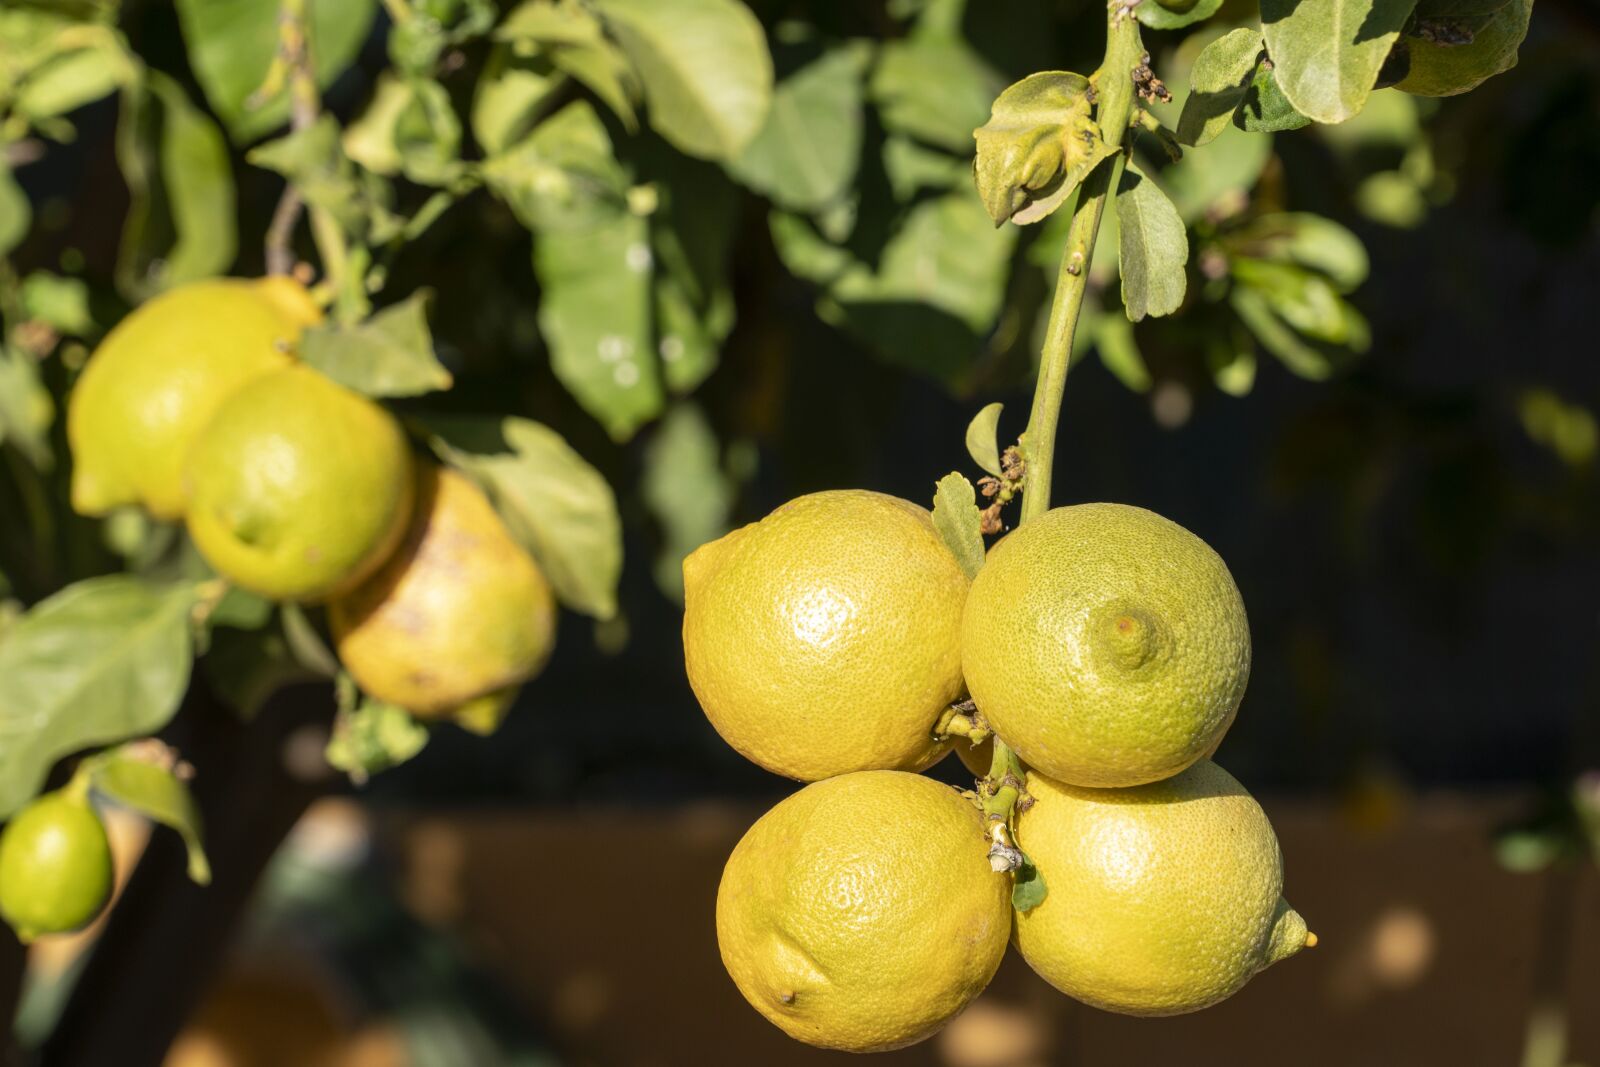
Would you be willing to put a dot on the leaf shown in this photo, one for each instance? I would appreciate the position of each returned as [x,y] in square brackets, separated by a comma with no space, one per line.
[1327,53]
[1158,16]
[1037,146]
[62,303]
[102,660]
[391,354]
[1310,241]
[1303,299]
[912,167]
[1264,108]
[157,794]
[16,214]
[563,175]
[511,95]
[314,160]
[1119,352]
[92,66]
[594,312]
[1219,179]
[1027,886]
[26,408]
[1217,84]
[935,89]
[809,148]
[373,737]
[1446,70]
[1154,247]
[705,68]
[231,44]
[685,488]
[691,232]
[180,225]
[564,36]
[245,668]
[1280,340]
[554,503]
[982,440]
[956,517]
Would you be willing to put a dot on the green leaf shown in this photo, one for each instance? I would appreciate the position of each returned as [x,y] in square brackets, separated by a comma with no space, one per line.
[1154,247]
[102,660]
[1175,16]
[1326,54]
[231,44]
[1217,84]
[1231,359]
[1446,70]
[594,312]
[391,354]
[935,89]
[554,503]
[959,522]
[686,489]
[912,167]
[692,232]
[373,737]
[245,668]
[1310,241]
[1264,108]
[705,68]
[1119,352]
[982,441]
[62,303]
[180,225]
[315,161]
[92,66]
[1303,299]
[16,214]
[26,409]
[1301,358]
[1037,146]
[512,94]
[156,793]
[809,148]
[563,175]
[1027,886]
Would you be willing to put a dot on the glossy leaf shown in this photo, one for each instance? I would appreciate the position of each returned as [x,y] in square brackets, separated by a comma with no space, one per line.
[956,517]
[1154,246]
[1326,54]
[1217,85]
[983,443]
[391,354]
[102,660]
[159,795]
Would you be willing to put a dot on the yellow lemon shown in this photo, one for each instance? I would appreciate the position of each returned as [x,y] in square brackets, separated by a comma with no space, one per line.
[861,914]
[460,611]
[55,866]
[1161,899]
[160,375]
[1106,645]
[298,488]
[827,637]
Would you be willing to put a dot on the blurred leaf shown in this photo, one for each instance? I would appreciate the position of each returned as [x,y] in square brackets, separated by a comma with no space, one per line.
[1439,69]
[956,517]
[157,794]
[372,737]
[1326,53]
[1218,180]
[1217,84]
[1119,351]
[554,503]
[180,225]
[314,160]
[26,412]
[1027,887]
[566,37]
[1393,199]
[62,303]
[511,95]
[1568,430]
[935,89]
[983,443]
[809,148]
[1231,359]
[595,313]
[1303,299]
[1037,146]
[1300,357]
[1309,240]
[686,489]
[912,167]
[391,354]
[1175,16]
[563,175]
[231,44]
[692,233]
[705,67]
[245,667]
[370,139]
[427,136]
[16,214]
[102,660]
[1154,247]
[306,643]
[1264,108]
[93,65]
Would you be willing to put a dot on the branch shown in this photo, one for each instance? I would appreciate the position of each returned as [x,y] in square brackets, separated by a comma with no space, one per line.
[292,67]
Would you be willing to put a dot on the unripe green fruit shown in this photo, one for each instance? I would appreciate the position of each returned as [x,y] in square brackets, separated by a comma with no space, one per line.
[55,866]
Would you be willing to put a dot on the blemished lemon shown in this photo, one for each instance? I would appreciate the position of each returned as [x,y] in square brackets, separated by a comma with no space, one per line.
[55,866]
[298,488]
[860,913]
[827,637]
[460,611]
[1161,899]
[1107,645]
[160,375]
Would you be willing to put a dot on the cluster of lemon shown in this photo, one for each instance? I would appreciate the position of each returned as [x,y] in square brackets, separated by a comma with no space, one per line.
[295,488]
[1107,646]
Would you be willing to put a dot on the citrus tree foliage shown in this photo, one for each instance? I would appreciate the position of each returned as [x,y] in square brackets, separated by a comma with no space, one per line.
[632,140]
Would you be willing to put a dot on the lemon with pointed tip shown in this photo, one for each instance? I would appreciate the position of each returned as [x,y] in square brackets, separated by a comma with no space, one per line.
[1107,645]
[827,637]
[861,914]
[459,613]
[160,375]
[298,488]
[55,866]
[1161,899]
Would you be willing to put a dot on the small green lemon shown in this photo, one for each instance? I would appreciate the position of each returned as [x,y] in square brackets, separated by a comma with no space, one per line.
[1161,899]
[1106,645]
[55,866]
[1448,69]
[298,488]
[460,611]
[160,375]
[827,637]
[861,914]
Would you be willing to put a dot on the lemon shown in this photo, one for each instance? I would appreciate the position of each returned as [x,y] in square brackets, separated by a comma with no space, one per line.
[159,376]
[827,637]
[861,914]
[458,612]
[1106,645]
[1446,70]
[55,866]
[1161,899]
[298,488]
